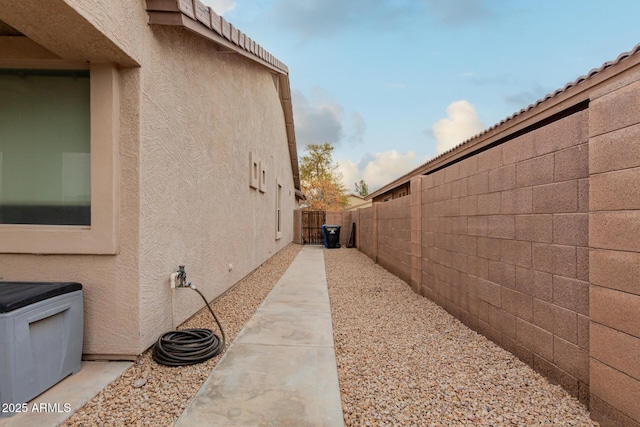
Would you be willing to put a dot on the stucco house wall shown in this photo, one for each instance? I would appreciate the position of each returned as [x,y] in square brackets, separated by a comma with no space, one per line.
[182,120]
[355,201]
[206,216]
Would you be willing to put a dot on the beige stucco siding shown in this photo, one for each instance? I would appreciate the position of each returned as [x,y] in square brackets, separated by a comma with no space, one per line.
[80,30]
[110,282]
[119,22]
[188,118]
[203,112]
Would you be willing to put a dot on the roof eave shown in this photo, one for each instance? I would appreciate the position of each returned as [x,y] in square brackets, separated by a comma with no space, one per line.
[287,108]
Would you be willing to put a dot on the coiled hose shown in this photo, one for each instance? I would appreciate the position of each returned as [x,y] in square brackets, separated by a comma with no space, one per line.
[189,346]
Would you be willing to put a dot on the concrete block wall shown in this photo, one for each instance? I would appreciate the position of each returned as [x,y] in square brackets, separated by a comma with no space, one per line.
[534,241]
[394,237]
[505,247]
[614,238]
[297,226]
[366,227]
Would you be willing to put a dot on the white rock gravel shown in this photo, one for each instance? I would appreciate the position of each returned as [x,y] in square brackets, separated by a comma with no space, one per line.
[404,361]
[148,394]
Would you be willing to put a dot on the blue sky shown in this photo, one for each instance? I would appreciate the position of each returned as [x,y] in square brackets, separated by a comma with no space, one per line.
[392,84]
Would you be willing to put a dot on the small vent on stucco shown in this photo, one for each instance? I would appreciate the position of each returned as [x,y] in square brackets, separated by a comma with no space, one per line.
[263,178]
[254,170]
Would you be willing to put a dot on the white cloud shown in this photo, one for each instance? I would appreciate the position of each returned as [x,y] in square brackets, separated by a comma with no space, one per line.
[350,174]
[220,6]
[461,123]
[319,119]
[378,169]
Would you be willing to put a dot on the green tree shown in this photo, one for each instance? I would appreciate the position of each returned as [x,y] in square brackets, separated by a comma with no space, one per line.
[362,188]
[320,179]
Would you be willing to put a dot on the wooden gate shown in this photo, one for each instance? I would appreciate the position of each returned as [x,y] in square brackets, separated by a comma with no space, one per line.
[312,222]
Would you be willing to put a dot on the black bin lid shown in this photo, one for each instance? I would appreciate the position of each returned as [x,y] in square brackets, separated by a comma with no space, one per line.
[15,295]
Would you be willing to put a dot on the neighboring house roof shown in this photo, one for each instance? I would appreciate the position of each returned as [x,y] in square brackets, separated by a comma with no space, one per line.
[570,95]
[357,196]
[356,201]
[364,204]
[204,21]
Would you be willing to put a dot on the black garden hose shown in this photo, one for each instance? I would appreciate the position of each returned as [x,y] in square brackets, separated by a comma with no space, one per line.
[189,346]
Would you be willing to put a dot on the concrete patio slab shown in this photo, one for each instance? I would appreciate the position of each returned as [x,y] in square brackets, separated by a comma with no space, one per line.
[265,385]
[58,403]
[281,369]
[306,293]
[288,327]
[283,303]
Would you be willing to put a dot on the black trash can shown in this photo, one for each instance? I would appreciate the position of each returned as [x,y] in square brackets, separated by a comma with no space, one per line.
[331,234]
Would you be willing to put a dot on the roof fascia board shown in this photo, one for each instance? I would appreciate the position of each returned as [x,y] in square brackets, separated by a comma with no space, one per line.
[561,100]
[287,108]
[178,19]
[214,25]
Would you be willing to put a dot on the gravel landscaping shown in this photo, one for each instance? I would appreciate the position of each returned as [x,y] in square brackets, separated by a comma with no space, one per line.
[404,361]
[165,391]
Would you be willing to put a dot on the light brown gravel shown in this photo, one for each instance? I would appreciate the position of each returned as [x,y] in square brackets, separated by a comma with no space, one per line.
[167,390]
[404,361]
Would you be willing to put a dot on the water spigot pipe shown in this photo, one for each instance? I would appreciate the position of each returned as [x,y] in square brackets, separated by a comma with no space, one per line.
[181,277]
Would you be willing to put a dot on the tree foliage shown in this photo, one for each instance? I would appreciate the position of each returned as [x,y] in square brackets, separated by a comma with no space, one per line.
[320,179]
[362,188]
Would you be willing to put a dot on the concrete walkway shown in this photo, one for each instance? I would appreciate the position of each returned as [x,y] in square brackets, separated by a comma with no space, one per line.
[281,368]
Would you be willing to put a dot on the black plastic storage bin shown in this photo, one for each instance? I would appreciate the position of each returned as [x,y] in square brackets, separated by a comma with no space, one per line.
[41,334]
[331,234]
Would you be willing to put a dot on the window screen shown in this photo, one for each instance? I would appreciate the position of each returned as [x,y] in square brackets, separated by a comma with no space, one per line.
[45,138]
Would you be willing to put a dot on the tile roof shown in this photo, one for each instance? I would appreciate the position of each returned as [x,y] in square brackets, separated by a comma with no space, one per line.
[201,19]
[505,122]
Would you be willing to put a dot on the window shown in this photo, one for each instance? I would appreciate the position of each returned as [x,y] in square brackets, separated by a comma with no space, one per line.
[59,186]
[278,211]
[45,141]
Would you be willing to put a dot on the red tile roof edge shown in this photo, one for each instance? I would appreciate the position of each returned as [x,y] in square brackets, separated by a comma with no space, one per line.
[204,15]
